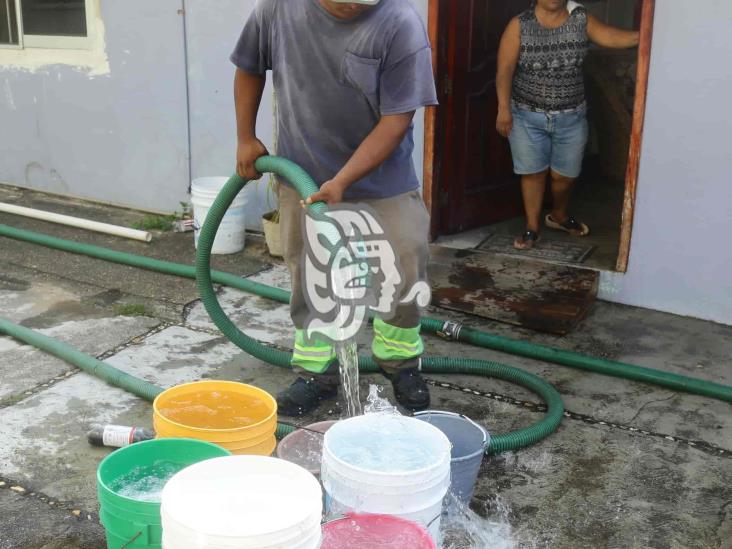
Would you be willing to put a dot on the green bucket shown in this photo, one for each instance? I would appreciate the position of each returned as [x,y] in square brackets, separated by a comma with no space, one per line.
[131,522]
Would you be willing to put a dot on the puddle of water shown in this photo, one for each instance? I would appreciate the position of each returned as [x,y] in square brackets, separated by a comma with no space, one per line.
[463,528]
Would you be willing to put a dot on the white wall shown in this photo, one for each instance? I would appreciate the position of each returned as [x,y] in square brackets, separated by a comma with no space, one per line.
[107,124]
[681,256]
[212,32]
[110,124]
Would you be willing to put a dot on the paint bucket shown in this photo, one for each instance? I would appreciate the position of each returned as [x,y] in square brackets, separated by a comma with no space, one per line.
[469,443]
[128,479]
[305,446]
[242,502]
[369,531]
[386,464]
[239,417]
[230,238]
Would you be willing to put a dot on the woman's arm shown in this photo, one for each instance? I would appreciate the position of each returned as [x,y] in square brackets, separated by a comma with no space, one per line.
[508,56]
[610,37]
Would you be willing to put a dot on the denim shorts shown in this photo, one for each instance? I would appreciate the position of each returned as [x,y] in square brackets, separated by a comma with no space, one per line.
[543,140]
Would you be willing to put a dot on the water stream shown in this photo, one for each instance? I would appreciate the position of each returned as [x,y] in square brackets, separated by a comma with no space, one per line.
[348,365]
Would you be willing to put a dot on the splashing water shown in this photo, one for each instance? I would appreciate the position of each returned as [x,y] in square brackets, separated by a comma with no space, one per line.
[376,404]
[146,483]
[462,528]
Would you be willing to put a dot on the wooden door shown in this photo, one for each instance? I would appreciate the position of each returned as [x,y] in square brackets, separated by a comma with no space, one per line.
[475,182]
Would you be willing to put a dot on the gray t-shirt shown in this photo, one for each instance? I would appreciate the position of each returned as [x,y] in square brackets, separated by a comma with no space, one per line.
[335,78]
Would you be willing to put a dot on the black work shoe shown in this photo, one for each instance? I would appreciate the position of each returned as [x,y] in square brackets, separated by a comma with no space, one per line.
[410,389]
[304,396]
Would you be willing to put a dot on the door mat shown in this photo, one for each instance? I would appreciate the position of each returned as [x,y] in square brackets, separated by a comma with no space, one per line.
[546,249]
[534,294]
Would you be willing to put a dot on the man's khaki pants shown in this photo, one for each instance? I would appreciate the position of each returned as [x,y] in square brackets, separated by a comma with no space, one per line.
[397,344]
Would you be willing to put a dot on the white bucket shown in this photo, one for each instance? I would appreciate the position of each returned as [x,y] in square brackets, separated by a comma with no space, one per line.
[389,465]
[230,237]
[242,502]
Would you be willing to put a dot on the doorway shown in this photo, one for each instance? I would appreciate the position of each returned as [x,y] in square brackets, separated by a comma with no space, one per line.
[470,187]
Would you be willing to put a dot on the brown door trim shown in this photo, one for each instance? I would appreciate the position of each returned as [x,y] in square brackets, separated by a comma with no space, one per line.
[636,134]
[431,154]
[429,189]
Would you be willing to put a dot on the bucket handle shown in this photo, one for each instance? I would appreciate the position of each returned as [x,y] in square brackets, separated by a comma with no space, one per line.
[430,523]
[143,534]
[486,436]
[131,540]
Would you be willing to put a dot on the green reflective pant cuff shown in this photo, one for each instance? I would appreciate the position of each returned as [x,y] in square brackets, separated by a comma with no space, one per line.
[313,356]
[394,343]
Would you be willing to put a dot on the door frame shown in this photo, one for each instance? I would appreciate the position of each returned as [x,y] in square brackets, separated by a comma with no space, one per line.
[432,154]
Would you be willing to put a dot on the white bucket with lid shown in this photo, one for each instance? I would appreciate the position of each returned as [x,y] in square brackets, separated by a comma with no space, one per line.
[230,238]
[242,502]
[387,464]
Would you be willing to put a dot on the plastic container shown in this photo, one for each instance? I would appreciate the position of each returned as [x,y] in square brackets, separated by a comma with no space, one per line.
[386,464]
[242,502]
[244,422]
[469,443]
[231,235]
[305,446]
[117,436]
[370,531]
[132,522]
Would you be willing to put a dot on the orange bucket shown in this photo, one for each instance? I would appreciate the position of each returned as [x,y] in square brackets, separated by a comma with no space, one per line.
[238,417]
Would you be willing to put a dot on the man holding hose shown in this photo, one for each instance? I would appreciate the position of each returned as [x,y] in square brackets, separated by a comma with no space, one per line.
[349,77]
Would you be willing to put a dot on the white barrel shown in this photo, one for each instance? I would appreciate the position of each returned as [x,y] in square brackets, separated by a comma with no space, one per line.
[231,235]
[387,464]
[242,502]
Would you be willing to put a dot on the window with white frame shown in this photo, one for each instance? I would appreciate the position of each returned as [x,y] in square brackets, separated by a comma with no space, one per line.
[45,23]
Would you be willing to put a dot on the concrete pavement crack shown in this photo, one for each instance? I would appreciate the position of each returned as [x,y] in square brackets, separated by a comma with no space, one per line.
[703,446]
[75,511]
[631,420]
[91,284]
[17,398]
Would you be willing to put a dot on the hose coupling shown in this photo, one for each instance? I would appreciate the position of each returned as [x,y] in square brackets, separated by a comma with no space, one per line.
[450,330]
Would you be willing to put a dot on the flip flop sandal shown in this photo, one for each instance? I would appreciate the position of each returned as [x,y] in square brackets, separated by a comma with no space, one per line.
[526,241]
[571,226]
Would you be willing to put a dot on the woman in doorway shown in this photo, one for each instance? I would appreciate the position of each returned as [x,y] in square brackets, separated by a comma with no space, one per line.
[541,104]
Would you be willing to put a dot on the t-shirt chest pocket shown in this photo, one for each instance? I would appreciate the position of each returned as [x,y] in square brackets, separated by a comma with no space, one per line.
[362,73]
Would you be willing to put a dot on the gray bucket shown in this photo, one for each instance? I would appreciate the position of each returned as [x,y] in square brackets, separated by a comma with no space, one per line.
[469,443]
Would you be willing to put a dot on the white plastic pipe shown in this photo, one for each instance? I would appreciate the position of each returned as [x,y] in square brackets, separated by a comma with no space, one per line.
[106,228]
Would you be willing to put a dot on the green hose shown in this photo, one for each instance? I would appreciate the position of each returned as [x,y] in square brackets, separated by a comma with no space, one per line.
[597,365]
[206,278]
[87,363]
[429,325]
[437,365]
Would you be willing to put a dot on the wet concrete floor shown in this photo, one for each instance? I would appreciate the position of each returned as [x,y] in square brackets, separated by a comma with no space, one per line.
[631,466]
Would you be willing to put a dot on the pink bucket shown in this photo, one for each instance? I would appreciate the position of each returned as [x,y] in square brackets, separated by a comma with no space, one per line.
[369,531]
[304,447]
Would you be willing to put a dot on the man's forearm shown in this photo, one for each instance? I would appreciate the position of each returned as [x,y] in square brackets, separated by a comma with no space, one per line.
[248,89]
[383,140]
